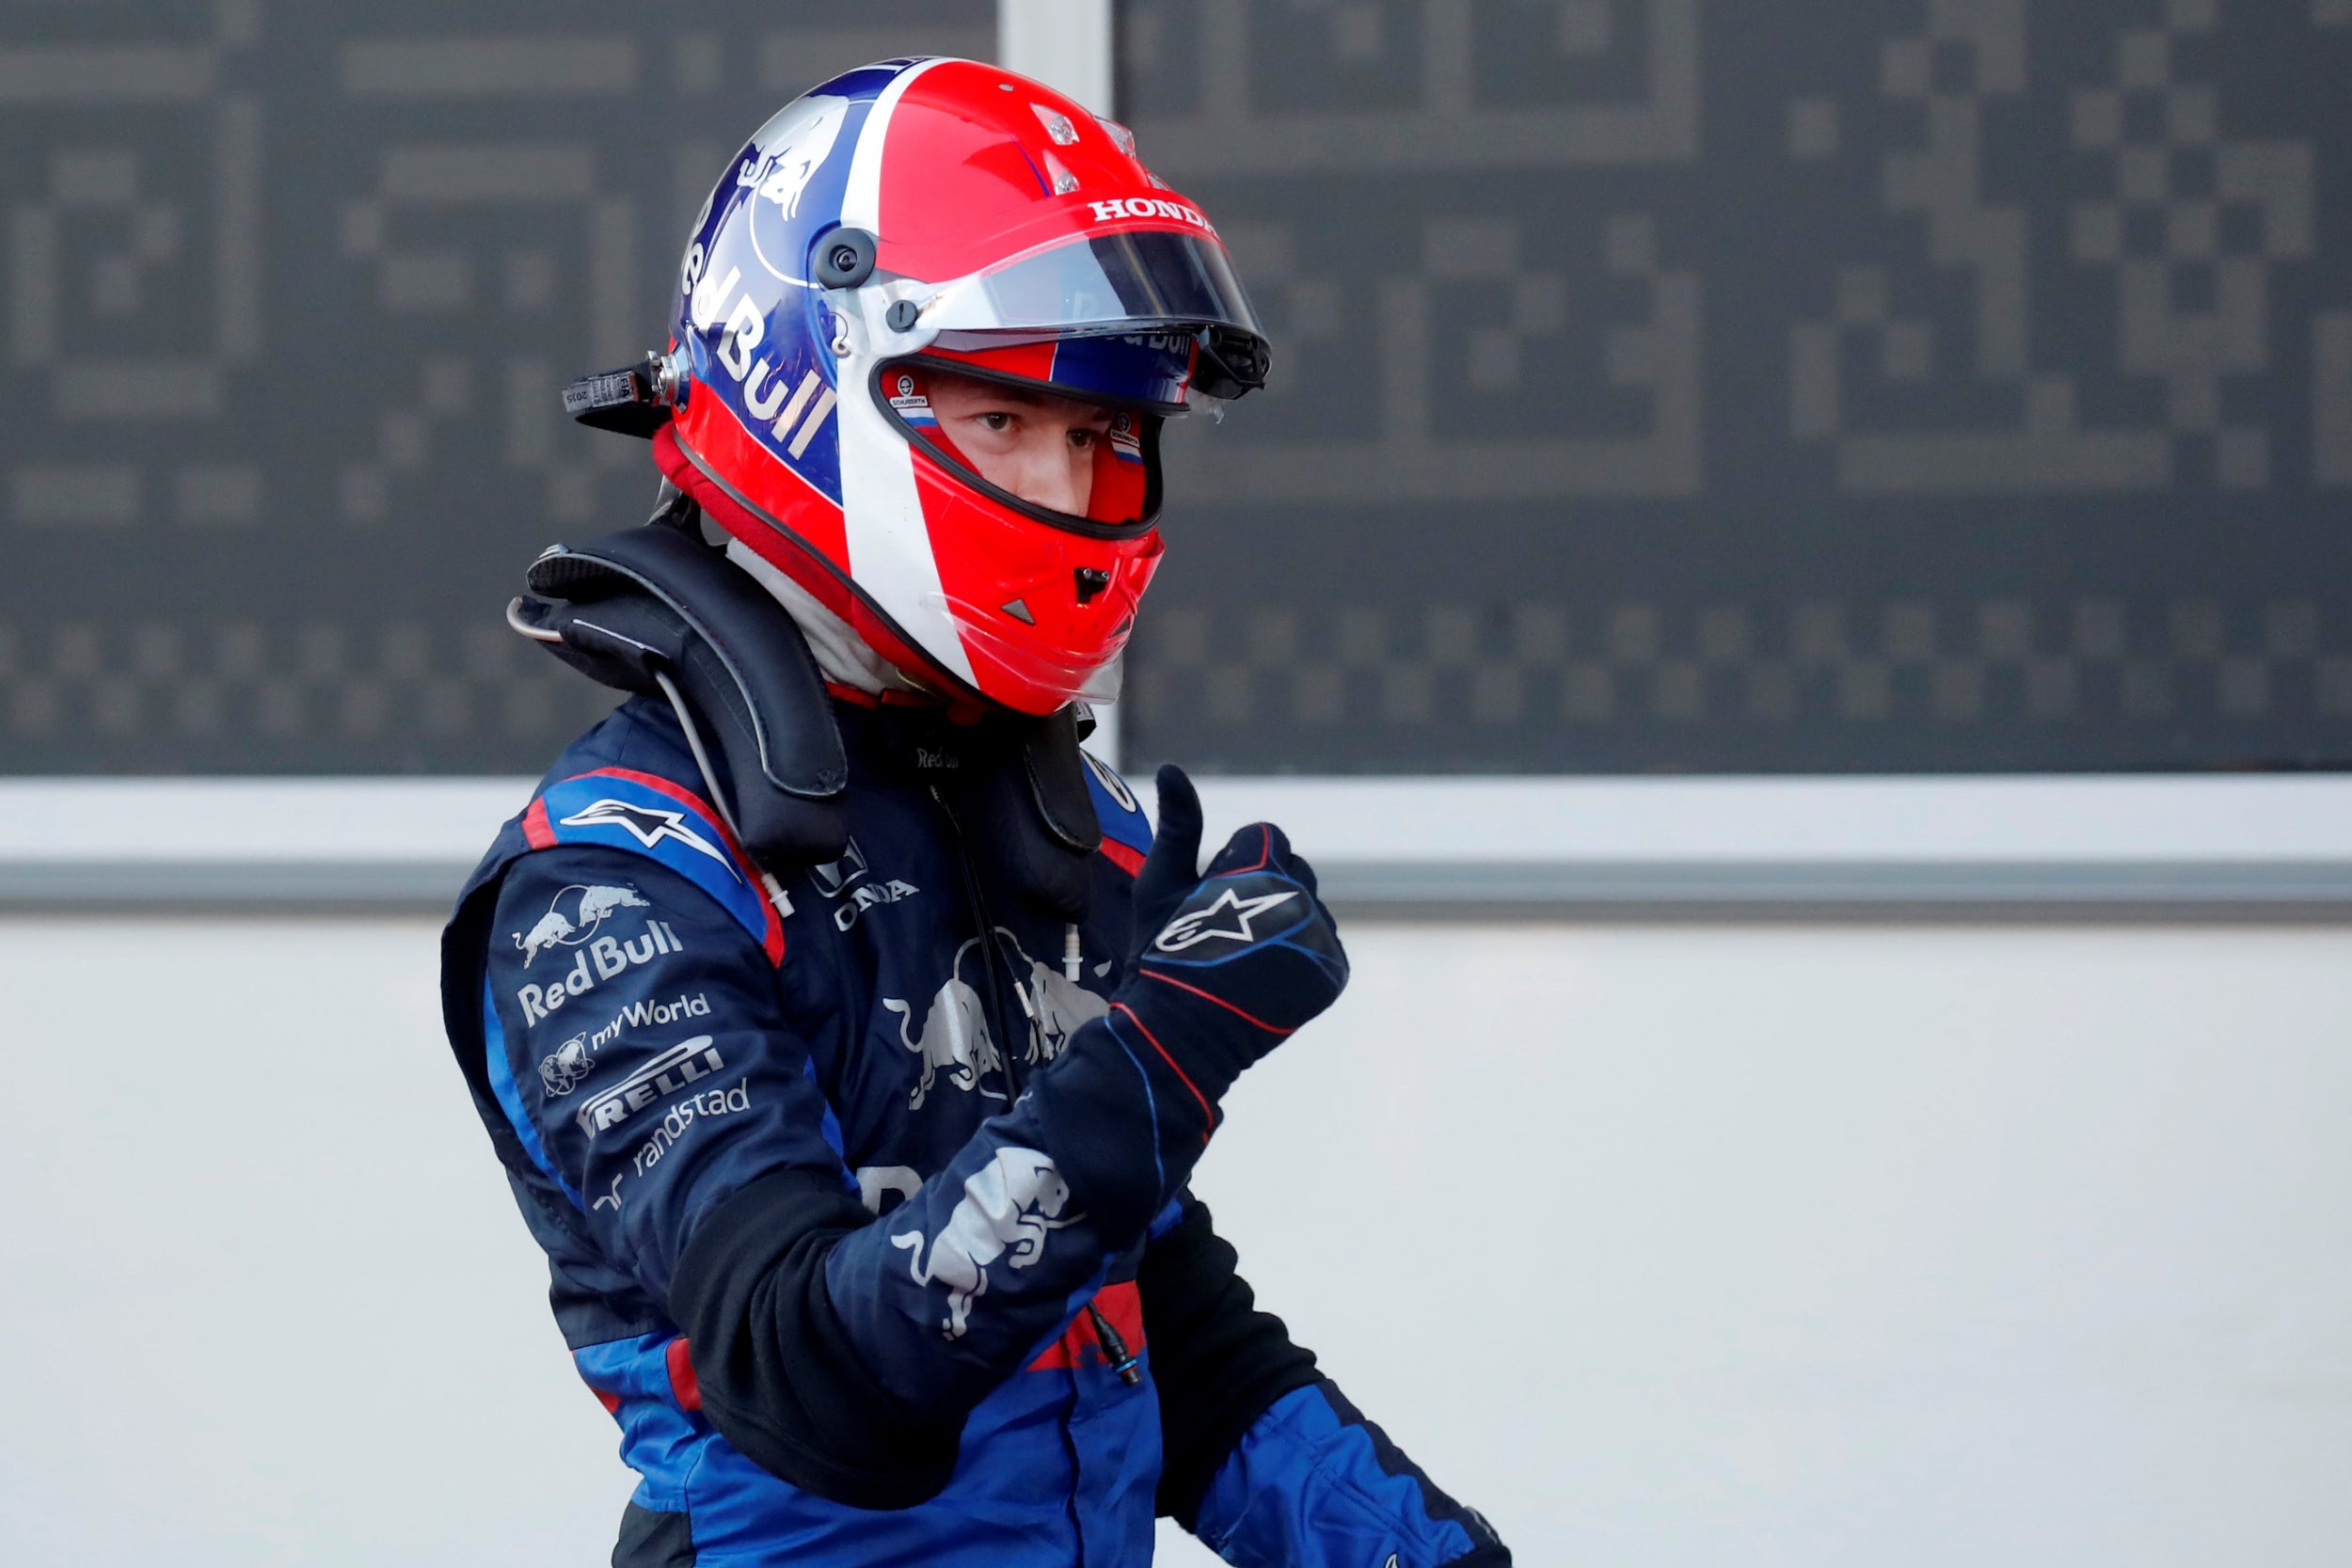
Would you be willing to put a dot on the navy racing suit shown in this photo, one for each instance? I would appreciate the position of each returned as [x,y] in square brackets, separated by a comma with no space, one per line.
[862,1220]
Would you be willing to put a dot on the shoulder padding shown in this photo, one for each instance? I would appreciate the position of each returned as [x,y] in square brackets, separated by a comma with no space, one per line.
[618,808]
[1126,831]
[652,601]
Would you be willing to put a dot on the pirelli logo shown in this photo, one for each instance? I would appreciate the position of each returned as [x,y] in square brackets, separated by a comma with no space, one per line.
[684,1063]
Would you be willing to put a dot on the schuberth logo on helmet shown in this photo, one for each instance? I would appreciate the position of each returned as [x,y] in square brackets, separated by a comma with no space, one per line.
[1007,234]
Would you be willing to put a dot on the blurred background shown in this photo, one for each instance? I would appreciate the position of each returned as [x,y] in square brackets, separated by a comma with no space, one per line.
[1795,574]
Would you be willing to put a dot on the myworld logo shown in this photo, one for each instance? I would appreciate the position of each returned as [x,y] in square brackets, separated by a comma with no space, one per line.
[636,1015]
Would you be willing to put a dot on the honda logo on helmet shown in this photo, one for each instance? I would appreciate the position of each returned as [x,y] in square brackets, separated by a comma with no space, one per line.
[1149,207]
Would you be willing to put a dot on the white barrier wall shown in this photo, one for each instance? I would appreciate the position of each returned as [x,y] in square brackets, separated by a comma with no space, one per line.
[1665,1245]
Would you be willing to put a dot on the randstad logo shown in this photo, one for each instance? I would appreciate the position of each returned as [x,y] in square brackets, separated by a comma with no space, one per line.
[600,960]
[686,1062]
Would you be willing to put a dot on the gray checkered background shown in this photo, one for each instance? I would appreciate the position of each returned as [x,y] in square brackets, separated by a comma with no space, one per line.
[1730,384]
[1660,385]
[288,291]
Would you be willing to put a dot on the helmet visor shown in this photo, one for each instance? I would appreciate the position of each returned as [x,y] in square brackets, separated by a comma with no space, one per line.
[1138,370]
[1135,281]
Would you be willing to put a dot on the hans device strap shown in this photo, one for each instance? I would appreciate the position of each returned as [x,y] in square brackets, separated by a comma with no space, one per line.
[652,601]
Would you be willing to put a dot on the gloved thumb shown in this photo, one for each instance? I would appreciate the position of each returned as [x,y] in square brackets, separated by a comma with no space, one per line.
[1172,869]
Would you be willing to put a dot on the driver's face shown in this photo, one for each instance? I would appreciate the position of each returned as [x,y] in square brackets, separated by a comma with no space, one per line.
[1038,446]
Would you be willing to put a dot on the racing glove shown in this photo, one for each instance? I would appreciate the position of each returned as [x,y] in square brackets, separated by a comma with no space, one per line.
[1227,964]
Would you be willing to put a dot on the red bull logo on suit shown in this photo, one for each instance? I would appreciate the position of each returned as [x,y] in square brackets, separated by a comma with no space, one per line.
[609,956]
[573,916]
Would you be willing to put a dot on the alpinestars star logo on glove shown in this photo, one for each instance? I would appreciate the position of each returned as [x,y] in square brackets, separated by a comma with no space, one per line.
[1191,929]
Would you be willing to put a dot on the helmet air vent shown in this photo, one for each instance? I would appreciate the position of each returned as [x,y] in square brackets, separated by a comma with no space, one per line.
[1064,182]
[1019,611]
[1056,124]
[1120,137]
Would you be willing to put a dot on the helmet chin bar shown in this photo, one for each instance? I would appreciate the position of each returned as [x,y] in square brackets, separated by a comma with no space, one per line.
[1096,682]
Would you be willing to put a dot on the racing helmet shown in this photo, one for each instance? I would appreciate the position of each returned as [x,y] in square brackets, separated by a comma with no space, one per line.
[908,219]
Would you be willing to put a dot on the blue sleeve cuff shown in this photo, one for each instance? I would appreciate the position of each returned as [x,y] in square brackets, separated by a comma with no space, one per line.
[1315,1484]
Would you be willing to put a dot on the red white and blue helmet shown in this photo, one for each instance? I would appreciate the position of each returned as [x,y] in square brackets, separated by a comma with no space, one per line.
[926,215]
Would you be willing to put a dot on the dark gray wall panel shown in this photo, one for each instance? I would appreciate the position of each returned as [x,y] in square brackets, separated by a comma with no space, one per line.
[1662,383]
[288,294]
[1731,385]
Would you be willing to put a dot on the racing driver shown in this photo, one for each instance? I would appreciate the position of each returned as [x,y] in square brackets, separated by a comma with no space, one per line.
[847,1035]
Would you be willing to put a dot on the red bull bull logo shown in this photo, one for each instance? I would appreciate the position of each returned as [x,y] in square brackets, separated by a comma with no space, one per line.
[573,916]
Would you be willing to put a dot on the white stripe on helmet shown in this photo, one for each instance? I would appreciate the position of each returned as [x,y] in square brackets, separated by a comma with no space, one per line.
[890,548]
[861,202]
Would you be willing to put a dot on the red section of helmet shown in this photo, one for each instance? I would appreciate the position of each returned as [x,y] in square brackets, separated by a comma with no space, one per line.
[1029,361]
[785,539]
[966,180]
[990,558]
[712,431]
[1122,483]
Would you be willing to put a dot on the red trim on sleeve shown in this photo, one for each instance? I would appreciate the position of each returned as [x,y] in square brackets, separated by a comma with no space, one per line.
[678,792]
[773,943]
[536,831]
[684,1385]
[1123,1304]
[1126,859]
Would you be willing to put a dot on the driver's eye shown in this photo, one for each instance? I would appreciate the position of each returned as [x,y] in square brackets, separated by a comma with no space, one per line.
[996,420]
[1082,439]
